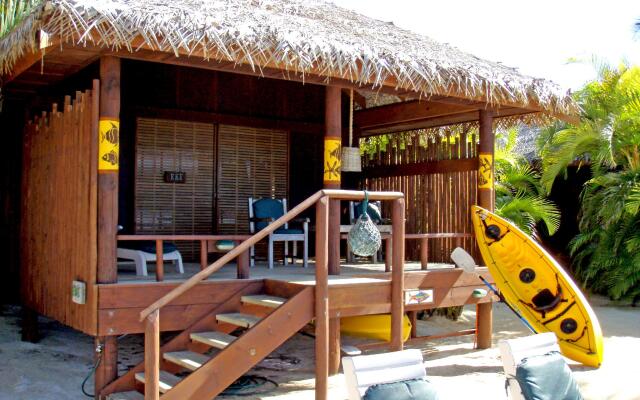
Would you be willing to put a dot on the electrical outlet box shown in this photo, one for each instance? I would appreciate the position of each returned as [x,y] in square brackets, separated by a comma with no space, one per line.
[79,292]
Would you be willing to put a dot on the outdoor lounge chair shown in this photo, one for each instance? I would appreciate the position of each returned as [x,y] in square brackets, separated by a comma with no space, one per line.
[140,252]
[546,375]
[363,372]
[264,211]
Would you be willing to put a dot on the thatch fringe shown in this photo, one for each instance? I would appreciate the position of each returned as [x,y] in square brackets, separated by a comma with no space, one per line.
[300,36]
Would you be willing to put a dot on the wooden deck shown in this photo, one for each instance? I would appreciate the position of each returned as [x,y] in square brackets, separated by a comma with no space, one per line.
[361,289]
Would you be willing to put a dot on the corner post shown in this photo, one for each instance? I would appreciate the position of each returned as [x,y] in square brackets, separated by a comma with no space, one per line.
[486,199]
[108,166]
[332,180]
[322,298]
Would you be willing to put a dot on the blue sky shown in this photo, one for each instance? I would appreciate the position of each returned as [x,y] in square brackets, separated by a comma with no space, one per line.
[537,37]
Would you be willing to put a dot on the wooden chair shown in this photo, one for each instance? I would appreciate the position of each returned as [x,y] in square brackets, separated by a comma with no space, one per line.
[264,211]
[360,372]
[375,207]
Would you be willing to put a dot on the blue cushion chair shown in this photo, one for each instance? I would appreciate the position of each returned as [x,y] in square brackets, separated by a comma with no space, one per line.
[264,211]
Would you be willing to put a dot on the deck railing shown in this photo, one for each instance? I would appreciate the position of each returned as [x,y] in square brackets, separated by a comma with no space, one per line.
[151,314]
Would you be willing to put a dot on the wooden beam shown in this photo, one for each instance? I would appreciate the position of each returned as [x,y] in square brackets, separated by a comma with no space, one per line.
[322,299]
[107,195]
[397,274]
[421,168]
[152,356]
[439,121]
[403,113]
[332,170]
[486,199]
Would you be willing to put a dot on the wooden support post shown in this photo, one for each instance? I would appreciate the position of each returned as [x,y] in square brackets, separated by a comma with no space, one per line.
[159,261]
[152,356]
[107,369]
[243,264]
[486,199]
[334,346]
[331,168]
[30,332]
[108,166]
[413,317]
[322,299]
[204,254]
[388,254]
[424,253]
[397,274]
[484,325]
[486,149]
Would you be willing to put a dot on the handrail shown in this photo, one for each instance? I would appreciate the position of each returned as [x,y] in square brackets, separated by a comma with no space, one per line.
[294,212]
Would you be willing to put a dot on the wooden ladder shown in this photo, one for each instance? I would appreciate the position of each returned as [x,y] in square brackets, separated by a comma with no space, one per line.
[265,321]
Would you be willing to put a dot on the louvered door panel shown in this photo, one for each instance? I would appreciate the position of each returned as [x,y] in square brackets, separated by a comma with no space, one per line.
[174,208]
[251,163]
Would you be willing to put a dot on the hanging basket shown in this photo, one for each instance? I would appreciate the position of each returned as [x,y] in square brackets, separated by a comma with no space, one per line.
[351,159]
[364,237]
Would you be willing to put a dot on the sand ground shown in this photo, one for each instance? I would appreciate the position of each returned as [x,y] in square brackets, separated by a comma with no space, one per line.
[55,367]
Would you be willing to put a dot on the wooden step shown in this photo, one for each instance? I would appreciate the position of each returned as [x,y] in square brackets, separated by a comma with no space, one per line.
[187,359]
[263,300]
[238,319]
[167,380]
[132,395]
[215,339]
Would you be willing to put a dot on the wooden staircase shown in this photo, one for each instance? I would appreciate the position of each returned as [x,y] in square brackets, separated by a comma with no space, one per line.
[215,358]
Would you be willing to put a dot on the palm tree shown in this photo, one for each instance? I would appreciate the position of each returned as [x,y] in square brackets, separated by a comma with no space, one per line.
[607,139]
[13,11]
[519,194]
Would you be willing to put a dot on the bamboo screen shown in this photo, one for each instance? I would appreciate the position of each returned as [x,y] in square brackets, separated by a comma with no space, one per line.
[252,162]
[174,208]
[437,174]
[59,211]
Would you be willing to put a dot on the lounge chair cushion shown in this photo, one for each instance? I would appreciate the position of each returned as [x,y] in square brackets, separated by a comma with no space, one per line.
[147,246]
[267,209]
[289,231]
[547,377]
[411,389]
[225,245]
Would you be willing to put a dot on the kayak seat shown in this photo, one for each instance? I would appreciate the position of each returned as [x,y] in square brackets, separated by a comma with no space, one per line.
[546,300]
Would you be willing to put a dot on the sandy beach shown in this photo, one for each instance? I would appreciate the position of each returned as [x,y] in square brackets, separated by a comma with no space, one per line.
[56,367]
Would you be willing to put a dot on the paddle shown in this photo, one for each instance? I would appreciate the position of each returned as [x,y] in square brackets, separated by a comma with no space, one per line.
[464,260]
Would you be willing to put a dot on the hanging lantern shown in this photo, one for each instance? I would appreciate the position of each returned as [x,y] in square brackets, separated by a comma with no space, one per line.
[351,155]
[364,236]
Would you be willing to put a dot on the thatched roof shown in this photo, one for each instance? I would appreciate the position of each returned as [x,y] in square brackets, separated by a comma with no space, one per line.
[305,36]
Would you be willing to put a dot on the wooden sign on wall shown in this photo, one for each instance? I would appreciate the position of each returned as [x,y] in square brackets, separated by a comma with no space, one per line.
[175,177]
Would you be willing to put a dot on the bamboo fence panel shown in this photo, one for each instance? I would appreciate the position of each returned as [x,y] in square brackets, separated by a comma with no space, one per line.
[59,211]
[436,201]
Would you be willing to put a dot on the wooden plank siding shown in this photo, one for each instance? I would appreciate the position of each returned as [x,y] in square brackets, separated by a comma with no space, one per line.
[438,178]
[59,214]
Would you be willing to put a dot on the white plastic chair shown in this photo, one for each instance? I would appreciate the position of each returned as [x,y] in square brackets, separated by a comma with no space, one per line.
[513,351]
[360,372]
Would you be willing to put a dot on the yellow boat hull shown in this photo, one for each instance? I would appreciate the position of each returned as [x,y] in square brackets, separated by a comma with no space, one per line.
[376,326]
[533,283]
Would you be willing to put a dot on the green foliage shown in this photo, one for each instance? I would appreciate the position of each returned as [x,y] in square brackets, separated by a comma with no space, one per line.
[12,13]
[606,252]
[519,195]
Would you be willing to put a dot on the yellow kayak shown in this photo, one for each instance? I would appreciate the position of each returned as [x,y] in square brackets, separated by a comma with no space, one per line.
[377,326]
[539,289]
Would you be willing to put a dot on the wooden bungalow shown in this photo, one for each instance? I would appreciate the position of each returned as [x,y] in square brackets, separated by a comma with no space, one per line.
[243,99]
